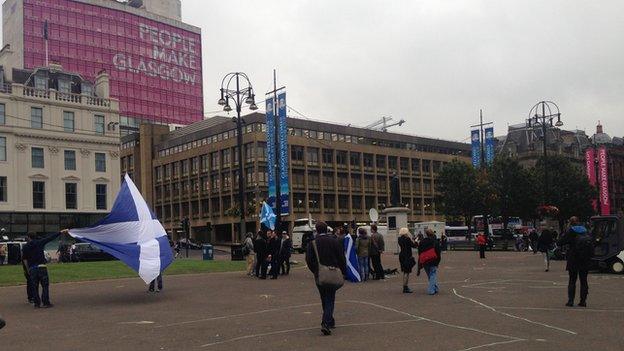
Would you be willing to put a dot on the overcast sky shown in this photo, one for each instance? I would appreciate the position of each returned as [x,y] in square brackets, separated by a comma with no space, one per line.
[434,63]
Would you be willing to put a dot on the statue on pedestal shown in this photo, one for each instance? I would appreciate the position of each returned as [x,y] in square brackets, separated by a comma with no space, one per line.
[395,191]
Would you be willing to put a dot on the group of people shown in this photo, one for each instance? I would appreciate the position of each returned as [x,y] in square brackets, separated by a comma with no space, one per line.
[369,249]
[268,254]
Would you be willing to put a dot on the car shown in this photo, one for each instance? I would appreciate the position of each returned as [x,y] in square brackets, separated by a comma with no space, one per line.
[86,252]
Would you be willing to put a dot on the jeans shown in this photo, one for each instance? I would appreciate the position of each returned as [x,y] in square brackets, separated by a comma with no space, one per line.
[379,271]
[29,285]
[546,259]
[363,267]
[432,273]
[160,283]
[328,299]
[275,267]
[582,275]
[39,276]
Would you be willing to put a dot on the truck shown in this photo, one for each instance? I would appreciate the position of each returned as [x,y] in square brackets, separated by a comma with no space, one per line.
[608,235]
[437,227]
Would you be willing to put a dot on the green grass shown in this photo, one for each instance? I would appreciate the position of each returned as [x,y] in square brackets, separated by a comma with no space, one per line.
[74,272]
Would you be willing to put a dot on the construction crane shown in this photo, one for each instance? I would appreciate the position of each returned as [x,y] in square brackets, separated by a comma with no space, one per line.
[383,124]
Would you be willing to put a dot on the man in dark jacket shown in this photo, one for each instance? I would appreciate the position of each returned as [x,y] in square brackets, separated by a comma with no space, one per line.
[274,251]
[376,250]
[261,248]
[578,254]
[330,254]
[34,259]
[284,253]
[544,245]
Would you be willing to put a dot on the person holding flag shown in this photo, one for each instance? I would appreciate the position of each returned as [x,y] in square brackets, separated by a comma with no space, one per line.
[350,251]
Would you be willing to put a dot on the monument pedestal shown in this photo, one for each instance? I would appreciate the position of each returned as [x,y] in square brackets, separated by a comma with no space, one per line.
[397,219]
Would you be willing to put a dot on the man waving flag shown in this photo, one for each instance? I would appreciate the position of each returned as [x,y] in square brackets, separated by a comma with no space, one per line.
[132,233]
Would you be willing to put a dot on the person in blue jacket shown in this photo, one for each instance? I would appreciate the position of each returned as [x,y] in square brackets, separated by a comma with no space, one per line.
[578,255]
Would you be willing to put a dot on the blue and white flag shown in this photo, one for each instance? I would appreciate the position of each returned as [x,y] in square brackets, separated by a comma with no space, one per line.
[132,233]
[267,217]
[353,273]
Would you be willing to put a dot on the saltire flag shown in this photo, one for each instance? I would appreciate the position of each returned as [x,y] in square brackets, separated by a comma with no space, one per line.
[267,216]
[353,273]
[131,233]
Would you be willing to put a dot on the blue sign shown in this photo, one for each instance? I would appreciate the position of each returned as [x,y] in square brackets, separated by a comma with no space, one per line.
[475,138]
[271,157]
[283,155]
[489,146]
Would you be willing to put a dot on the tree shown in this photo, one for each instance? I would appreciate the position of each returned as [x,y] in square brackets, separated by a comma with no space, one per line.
[459,195]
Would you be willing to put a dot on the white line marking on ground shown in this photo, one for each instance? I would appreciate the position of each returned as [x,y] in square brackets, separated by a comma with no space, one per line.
[303,329]
[558,309]
[511,315]
[491,344]
[485,283]
[138,323]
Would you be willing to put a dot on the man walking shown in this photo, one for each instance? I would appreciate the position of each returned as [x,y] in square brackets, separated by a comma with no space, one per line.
[579,254]
[34,259]
[284,254]
[330,254]
[376,250]
[482,243]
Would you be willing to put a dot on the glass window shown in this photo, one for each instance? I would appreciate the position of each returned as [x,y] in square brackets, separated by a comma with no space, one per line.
[100,162]
[98,124]
[64,86]
[36,117]
[100,196]
[37,157]
[71,196]
[38,192]
[70,160]
[2,114]
[41,82]
[3,189]
[3,153]
[68,121]
[87,89]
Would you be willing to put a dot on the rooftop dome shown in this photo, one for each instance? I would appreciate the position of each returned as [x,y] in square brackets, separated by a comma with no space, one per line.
[600,137]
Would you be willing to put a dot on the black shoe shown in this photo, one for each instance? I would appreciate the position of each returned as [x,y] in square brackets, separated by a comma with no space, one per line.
[407,290]
[546,270]
[325,329]
[273,277]
[37,306]
[570,304]
[582,304]
[48,305]
[262,278]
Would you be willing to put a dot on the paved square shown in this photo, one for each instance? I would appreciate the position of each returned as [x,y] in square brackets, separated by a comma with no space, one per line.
[506,302]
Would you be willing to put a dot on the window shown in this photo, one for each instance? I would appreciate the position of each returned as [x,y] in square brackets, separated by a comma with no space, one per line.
[37,157]
[87,89]
[70,160]
[3,153]
[354,158]
[185,167]
[64,86]
[312,156]
[100,196]
[100,162]
[3,189]
[381,161]
[71,196]
[341,158]
[41,82]
[68,121]
[328,180]
[36,117]
[328,156]
[329,203]
[38,191]
[98,124]
[296,153]
[226,158]
[2,114]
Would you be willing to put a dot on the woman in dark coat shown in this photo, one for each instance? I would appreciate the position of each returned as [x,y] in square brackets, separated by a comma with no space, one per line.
[431,267]
[406,258]
[544,245]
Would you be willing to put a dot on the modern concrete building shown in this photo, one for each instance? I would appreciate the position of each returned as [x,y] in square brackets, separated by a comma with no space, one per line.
[59,150]
[337,173]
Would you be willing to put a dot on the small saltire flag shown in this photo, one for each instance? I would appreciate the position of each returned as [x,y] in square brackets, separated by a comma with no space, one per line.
[132,233]
[353,273]
[267,217]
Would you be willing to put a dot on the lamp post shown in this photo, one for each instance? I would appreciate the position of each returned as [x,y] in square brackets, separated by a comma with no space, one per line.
[543,114]
[239,97]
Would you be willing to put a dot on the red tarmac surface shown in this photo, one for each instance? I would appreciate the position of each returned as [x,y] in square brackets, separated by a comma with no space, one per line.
[506,302]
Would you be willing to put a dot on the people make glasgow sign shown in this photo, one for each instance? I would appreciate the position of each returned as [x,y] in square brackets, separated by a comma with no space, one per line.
[171,56]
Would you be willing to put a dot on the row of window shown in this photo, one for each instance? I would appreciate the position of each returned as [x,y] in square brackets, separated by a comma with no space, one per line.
[69,120]
[71,195]
[38,158]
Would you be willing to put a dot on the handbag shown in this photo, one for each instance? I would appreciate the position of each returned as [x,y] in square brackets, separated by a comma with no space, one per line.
[412,262]
[328,276]
[427,256]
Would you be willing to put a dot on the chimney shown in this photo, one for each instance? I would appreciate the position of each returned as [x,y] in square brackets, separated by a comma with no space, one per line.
[599,128]
[102,85]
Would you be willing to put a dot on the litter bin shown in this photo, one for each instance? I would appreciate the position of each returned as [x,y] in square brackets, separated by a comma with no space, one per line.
[237,252]
[207,252]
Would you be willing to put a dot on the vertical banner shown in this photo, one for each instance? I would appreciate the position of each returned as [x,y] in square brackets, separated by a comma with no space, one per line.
[489,146]
[476,148]
[271,157]
[283,155]
[590,168]
[603,181]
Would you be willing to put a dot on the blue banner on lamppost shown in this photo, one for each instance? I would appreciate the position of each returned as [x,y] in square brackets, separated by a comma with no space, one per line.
[489,146]
[283,155]
[271,157]
[475,138]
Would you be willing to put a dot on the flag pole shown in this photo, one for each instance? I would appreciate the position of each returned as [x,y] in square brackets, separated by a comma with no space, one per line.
[45,36]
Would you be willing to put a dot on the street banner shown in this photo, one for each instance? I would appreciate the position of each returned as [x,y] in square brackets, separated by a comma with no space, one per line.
[590,168]
[271,157]
[489,146]
[603,181]
[476,148]
[283,155]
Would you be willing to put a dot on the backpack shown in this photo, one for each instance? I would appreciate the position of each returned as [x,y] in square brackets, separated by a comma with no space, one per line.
[584,248]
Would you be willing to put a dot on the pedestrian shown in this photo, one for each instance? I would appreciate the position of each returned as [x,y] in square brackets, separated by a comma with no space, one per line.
[176,249]
[362,247]
[444,242]
[2,323]
[325,250]
[406,257]
[29,285]
[545,245]
[3,252]
[578,254]
[262,251]
[34,259]
[482,242]
[376,251]
[249,254]
[429,256]
[275,243]
[533,239]
[153,284]
[284,253]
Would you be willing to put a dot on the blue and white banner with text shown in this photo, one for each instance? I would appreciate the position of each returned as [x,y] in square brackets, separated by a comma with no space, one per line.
[489,146]
[475,138]
[271,157]
[283,155]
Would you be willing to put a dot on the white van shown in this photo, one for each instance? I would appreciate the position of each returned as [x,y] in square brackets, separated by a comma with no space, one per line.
[303,231]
